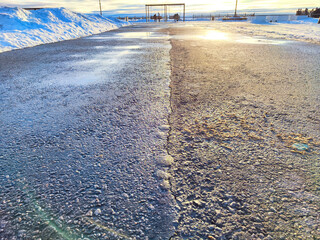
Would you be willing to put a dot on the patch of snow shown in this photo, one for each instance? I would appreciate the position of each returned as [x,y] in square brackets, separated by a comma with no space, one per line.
[21,28]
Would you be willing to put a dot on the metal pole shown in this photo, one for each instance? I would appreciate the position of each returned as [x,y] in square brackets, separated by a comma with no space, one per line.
[100,7]
[149,14]
[235,11]
[166,13]
[146,14]
[184,12]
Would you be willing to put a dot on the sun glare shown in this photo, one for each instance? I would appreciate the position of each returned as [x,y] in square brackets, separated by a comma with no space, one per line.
[215,35]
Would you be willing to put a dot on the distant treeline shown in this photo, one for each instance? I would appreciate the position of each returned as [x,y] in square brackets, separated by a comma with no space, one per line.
[314,13]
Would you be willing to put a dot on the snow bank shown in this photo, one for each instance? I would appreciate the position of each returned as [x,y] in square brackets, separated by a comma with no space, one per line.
[289,19]
[21,28]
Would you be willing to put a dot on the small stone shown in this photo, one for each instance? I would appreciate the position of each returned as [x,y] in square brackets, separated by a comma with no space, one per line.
[273,209]
[151,207]
[125,195]
[218,212]
[89,214]
[219,223]
[231,209]
[199,203]
[97,211]
[211,227]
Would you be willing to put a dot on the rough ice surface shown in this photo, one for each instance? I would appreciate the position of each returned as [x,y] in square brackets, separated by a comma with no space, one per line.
[21,28]
[83,125]
[289,27]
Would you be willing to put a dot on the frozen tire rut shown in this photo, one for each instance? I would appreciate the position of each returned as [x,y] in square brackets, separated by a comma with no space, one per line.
[83,129]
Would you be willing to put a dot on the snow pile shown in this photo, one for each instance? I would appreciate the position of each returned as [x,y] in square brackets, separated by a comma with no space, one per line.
[21,28]
[290,19]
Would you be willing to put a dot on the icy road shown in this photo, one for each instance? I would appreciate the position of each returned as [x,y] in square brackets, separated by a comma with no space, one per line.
[161,131]
[83,130]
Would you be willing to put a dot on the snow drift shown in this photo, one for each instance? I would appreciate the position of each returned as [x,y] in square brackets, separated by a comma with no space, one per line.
[21,28]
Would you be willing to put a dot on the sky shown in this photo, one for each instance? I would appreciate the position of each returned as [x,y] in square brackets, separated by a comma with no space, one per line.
[192,6]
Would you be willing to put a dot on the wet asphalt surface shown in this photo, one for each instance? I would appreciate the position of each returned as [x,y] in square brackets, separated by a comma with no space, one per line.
[160,132]
[83,129]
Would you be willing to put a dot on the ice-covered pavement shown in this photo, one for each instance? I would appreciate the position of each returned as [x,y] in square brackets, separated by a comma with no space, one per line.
[21,28]
[287,27]
[83,129]
[84,123]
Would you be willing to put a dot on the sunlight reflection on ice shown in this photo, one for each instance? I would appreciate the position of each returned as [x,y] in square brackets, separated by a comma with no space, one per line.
[126,35]
[99,69]
[218,35]
[215,35]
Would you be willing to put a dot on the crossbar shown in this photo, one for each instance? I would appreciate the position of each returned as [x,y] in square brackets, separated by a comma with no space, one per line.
[162,5]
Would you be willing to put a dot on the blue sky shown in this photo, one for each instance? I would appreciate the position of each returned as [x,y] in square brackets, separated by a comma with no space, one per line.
[193,6]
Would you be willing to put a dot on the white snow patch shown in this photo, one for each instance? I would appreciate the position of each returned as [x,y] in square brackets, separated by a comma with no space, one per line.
[21,28]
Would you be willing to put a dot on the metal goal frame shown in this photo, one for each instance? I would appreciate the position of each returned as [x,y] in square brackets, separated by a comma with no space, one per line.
[165,10]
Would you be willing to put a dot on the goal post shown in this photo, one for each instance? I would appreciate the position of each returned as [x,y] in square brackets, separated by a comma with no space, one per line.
[165,10]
